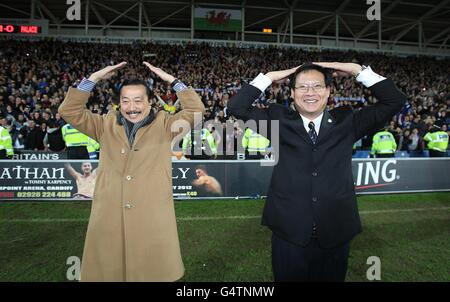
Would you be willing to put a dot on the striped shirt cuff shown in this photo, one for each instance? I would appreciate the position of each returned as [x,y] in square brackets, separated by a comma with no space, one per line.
[86,85]
[179,86]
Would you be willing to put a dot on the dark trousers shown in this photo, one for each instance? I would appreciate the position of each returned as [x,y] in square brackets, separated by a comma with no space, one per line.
[79,152]
[3,154]
[294,263]
[385,155]
[435,153]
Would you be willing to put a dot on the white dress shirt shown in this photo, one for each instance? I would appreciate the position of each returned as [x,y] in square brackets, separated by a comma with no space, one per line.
[316,122]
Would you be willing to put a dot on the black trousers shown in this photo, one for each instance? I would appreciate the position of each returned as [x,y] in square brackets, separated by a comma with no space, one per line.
[78,152]
[385,155]
[435,153]
[294,263]
[3,154]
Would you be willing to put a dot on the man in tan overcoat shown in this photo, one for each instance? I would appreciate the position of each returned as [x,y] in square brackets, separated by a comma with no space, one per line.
[132,233]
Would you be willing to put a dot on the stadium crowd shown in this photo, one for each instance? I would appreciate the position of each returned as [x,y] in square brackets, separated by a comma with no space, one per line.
[35,75]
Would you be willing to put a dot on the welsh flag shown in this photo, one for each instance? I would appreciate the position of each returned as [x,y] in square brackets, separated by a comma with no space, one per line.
[217,19]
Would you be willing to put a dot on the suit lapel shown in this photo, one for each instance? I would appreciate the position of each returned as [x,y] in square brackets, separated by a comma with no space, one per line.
[325,126]
[295,121]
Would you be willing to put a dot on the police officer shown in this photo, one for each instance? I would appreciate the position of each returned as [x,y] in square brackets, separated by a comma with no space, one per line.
[255,145]
[383,144]
[76,142]
[6,148]
[93,147]
[437,142]
[192,148]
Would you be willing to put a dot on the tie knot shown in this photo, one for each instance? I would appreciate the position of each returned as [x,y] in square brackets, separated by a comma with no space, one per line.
[311,125]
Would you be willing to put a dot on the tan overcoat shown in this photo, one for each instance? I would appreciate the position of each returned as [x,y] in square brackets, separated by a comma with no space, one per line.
[132,232]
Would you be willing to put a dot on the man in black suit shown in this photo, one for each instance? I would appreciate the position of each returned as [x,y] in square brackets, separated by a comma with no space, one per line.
[311,204]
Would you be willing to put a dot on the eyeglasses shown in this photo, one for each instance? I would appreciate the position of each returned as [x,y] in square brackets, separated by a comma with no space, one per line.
[315,88]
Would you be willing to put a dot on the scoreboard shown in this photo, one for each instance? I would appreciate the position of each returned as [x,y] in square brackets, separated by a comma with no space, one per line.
[23,27]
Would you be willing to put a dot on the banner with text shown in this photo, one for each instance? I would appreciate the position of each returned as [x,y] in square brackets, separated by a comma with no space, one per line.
[75,179]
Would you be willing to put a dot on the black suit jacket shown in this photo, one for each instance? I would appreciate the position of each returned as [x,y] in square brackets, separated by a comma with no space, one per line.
[314,183]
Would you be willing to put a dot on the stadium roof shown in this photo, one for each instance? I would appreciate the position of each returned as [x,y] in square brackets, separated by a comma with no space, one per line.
[401,20]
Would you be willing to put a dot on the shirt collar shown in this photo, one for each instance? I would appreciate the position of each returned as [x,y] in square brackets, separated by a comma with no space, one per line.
[316,122]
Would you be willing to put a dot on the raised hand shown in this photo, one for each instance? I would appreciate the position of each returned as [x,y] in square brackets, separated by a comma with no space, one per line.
[106,73]
[160,73]
[341,69]
[281,74]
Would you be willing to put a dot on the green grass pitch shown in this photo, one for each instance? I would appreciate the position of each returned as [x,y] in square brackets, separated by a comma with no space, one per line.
[223,240]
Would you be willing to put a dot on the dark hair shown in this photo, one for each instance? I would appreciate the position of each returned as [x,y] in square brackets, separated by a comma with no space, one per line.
[134,82]
[327,73]
[201,167]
